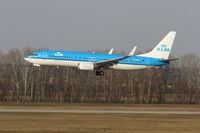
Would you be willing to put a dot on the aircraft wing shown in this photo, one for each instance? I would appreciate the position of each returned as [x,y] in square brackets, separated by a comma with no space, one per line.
[109,62]
[168,60]
[114,61]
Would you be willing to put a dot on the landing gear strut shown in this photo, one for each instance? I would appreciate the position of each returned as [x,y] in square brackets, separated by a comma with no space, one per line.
[99,72]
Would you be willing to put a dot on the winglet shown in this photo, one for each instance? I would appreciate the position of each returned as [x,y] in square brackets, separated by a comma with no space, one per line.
[132,52]
[111,51]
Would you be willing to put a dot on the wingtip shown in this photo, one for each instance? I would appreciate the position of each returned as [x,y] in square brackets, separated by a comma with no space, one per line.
[173,32]
[132,52]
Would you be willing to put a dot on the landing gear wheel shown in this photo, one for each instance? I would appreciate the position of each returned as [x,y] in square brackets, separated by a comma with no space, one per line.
[99,72]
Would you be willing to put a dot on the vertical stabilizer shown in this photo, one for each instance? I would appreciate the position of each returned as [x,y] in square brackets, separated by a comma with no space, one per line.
[163,49]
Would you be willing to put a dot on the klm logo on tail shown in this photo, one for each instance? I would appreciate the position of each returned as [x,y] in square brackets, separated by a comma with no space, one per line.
[163,48]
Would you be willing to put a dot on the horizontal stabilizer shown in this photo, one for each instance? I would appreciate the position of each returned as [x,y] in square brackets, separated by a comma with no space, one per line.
[168,60]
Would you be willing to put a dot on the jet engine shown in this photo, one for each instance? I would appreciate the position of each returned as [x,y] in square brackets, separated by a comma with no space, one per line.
[86,66]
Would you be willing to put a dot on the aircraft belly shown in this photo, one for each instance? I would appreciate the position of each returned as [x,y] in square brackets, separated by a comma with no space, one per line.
[128,67]
[62,63]
[53,62]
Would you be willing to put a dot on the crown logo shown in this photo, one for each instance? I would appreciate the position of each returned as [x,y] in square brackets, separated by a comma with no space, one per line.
[163,45]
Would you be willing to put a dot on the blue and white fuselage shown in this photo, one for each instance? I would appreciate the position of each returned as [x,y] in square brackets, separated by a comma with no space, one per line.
[159,56]
[73,59]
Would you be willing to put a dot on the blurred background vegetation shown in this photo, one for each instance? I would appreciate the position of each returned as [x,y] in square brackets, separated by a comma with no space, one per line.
[20,81]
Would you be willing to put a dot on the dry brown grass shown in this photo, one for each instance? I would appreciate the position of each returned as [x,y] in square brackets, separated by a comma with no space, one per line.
[170,107]
[98,123]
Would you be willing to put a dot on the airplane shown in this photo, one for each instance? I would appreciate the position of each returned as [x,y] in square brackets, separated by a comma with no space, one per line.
[157,57]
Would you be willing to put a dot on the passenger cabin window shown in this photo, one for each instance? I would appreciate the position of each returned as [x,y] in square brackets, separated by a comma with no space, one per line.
[137,61]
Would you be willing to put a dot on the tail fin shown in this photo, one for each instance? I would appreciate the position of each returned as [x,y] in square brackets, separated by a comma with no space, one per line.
[163,49]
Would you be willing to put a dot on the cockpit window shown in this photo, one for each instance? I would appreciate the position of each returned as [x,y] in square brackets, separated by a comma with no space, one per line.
[34,54]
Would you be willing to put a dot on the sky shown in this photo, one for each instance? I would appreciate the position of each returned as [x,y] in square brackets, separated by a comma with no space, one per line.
[81,25]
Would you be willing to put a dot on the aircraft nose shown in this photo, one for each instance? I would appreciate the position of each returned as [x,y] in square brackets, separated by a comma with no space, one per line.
[27,58]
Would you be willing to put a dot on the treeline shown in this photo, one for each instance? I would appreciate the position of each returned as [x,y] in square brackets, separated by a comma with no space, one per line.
[20,81]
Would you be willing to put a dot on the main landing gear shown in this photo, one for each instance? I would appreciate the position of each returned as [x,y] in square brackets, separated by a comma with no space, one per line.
[99,72]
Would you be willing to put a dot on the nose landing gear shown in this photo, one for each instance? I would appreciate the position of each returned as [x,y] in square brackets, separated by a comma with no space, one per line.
[99,72]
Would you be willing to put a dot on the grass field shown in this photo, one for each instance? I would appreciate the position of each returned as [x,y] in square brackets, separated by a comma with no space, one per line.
[184,107]
[98,123]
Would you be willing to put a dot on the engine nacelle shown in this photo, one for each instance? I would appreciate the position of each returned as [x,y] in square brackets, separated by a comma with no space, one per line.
[86,66]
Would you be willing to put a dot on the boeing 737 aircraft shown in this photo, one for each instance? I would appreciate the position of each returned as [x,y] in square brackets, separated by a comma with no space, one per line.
[159,56]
